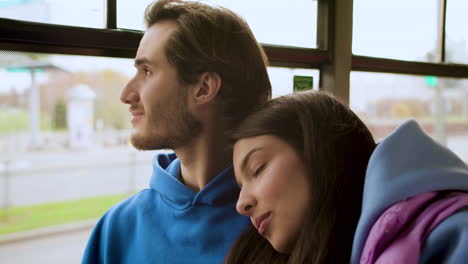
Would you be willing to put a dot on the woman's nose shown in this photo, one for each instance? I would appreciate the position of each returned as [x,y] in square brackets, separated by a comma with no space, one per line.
[245,204]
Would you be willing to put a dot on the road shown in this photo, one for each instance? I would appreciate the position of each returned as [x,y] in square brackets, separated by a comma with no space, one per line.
[36,178]
[57,249]
[43,177]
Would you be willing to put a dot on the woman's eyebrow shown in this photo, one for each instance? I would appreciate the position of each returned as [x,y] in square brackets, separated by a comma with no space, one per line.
[245,161]
[239,184]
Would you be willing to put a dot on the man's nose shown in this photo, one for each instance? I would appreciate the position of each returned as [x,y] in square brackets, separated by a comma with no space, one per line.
[129,95]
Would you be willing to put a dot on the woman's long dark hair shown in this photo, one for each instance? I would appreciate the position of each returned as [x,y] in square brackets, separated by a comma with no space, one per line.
[335,146]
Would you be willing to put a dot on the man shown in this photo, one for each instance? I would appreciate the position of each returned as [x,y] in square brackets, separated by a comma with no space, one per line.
[199,72]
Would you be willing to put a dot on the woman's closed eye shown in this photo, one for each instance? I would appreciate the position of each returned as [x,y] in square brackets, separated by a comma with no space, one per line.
[259,169]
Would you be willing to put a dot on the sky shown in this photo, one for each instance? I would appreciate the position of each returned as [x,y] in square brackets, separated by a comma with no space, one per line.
[400,29]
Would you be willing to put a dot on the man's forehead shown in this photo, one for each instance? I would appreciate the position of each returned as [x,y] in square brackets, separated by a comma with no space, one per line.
[154,40]
[158,33]
[139,60]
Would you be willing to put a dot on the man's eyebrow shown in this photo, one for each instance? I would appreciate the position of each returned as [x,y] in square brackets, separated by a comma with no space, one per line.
[141,61]
[247,157]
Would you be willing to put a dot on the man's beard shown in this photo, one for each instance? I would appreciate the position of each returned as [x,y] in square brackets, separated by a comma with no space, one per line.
[179,126]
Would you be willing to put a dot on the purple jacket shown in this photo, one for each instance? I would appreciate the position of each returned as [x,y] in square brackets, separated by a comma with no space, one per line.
[414,207]
[400,232]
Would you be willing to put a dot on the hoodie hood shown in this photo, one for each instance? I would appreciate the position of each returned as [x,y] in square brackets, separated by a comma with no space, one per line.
[406,163]
[219,191]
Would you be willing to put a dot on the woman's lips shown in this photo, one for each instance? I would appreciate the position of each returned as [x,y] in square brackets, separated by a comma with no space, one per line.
[262,222]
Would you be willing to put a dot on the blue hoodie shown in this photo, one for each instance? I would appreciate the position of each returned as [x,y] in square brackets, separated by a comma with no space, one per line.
[406,163]
[169,223]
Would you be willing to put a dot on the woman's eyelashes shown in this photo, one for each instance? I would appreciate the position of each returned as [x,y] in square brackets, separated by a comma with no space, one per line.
[259,169]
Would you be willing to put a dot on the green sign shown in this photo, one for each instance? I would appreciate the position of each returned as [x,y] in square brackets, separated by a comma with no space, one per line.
[18,69]
[302,83]
[8,3]
[22,69]
[431,80]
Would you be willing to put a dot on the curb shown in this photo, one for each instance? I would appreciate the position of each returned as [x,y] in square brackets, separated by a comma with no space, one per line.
[47,231]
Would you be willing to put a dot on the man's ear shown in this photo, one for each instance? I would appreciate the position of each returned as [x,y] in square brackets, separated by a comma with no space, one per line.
[208,87]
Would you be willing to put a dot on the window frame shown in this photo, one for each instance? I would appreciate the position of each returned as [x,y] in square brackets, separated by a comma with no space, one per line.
[333,47]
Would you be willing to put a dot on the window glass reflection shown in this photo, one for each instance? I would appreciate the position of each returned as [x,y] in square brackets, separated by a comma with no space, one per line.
[84,13]
[396,29]
[440,105]
[274,22]
[456,40]
[282,79]
[64,133]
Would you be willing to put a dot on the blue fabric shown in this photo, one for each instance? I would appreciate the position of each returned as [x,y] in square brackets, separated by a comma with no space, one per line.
[448,243]
[169,223]
[406,163]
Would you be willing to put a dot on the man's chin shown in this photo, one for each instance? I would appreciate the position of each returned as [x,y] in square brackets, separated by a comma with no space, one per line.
[145,142]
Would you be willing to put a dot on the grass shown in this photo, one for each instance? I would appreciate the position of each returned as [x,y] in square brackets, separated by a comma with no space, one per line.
[18,121]
[37,216]
[13,121]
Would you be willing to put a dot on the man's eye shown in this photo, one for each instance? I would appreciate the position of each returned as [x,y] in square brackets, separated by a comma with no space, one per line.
[146,72]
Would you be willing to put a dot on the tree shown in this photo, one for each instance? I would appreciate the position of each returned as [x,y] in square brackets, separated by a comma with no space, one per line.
[59,118]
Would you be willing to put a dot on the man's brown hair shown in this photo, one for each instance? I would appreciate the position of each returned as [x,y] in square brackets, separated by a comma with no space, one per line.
[215,39]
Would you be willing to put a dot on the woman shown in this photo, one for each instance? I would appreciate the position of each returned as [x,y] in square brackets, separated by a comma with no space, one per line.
[301,163]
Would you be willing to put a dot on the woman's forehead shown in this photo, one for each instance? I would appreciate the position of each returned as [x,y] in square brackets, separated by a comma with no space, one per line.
[246,146]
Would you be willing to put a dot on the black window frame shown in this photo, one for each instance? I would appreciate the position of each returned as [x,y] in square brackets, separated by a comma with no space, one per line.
[25,36]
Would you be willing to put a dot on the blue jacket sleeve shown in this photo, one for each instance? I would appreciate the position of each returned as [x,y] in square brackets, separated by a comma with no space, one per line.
[96,244]
[448,242]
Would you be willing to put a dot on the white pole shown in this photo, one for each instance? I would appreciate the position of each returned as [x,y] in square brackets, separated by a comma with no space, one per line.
[6,190]
[439,116]
[34,110]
